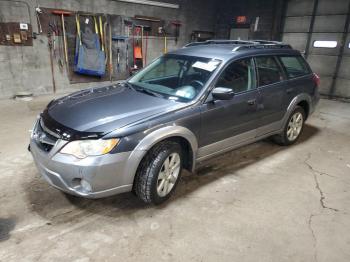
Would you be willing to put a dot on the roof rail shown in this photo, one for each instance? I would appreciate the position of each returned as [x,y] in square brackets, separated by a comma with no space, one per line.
[267,42]
[262,46]
[242,44]
[220,42]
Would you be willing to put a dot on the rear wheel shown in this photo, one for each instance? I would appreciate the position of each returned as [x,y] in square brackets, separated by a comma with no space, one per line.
[292,129]
[159,173]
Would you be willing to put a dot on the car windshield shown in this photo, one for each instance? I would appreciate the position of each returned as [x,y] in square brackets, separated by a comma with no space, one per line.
[175,77]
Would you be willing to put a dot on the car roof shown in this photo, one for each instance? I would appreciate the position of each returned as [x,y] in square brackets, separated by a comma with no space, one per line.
[228,49]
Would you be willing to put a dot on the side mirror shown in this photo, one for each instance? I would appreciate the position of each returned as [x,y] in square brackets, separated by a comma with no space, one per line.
[222,93]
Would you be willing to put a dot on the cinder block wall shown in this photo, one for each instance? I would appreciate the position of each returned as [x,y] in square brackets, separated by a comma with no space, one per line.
[28,68]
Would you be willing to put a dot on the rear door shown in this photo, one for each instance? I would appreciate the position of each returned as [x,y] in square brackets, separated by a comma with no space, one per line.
[225,123]
[300,78]
[272,87]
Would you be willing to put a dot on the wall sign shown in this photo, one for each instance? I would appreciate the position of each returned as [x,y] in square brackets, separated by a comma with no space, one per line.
[23,26]
[242,19]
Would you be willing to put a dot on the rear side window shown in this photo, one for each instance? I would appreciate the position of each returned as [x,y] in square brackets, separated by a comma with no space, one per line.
[269,71]
[295,66]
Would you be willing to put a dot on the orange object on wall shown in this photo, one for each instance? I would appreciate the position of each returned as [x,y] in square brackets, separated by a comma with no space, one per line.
[242,19]
[138,52]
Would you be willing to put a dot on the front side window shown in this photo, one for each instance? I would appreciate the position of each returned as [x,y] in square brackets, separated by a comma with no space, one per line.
[269,71]
[239,76]
[176,77]
[295,66]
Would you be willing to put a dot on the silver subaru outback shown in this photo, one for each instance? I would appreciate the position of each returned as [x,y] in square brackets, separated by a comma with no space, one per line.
[185,107]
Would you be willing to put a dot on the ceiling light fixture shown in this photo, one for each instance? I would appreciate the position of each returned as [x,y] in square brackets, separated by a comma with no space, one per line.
[325,44]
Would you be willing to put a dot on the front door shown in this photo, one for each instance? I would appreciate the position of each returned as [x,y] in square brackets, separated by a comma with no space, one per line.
[227,123]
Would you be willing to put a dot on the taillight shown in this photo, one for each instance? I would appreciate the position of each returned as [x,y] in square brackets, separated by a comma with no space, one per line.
[316,79]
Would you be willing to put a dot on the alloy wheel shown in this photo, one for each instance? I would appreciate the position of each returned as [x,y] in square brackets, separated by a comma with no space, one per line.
[168,174]
[294,126]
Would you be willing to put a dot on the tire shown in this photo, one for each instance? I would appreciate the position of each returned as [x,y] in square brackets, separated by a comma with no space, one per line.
[285,138]
[152,172]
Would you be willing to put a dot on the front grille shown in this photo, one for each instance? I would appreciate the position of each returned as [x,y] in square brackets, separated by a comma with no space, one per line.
[45,138]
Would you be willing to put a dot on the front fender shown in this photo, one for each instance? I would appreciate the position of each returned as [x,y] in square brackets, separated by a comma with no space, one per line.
[155,137]
[165,132]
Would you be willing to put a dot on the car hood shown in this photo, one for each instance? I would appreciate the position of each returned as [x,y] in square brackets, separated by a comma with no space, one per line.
[105,109]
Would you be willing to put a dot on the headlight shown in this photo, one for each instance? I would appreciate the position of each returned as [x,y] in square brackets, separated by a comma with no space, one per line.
[84,148]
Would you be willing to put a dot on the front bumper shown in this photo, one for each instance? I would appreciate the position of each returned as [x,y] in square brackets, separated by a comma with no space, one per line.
[107,175]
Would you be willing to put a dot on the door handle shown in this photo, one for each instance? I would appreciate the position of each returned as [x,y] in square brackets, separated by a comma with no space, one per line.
[251,102]
[289,90]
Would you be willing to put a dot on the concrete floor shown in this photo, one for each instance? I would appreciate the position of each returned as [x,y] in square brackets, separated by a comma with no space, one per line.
[259,203]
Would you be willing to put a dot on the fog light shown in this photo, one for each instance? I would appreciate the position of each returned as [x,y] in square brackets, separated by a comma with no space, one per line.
[85,186]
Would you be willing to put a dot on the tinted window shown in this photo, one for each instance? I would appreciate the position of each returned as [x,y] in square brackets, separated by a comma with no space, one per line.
[239,76]
[268,70]
[295,66]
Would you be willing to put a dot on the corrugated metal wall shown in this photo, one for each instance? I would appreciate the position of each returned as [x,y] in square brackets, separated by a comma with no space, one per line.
[307,21]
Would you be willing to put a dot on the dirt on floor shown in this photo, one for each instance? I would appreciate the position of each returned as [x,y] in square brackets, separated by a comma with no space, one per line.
[262,202]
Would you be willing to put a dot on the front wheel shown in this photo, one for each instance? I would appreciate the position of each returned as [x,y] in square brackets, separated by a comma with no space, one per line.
[159,173]
[292,129]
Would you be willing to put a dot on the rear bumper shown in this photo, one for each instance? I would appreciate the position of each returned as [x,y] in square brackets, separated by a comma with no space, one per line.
[315,99]
[106,175]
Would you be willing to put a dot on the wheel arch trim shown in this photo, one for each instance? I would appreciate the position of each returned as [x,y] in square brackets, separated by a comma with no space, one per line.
[292,105]
[167,132]
[155,137]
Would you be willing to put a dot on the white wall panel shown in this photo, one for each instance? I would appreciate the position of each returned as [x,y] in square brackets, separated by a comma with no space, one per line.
[330,23]
[344,70]
[342,88]
[297,24]
[323,65]
[297,41]
[300,7]
[327,7]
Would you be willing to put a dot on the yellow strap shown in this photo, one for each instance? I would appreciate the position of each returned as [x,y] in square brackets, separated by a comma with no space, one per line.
[165,45]
[96,28]
[101,31]
[78,27]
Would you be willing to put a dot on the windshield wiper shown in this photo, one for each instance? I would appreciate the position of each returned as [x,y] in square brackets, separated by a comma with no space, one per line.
[149,92]
[141,89]
[128,85]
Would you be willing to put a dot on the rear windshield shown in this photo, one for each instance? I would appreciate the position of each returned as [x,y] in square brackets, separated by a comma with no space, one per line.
[295,66]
